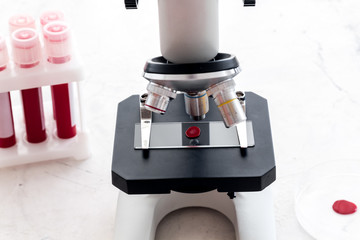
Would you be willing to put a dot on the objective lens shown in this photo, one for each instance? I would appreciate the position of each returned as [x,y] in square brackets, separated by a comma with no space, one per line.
[227,102]
[158,98]
[196,105]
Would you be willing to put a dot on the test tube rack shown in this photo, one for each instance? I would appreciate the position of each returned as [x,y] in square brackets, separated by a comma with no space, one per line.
[45,74]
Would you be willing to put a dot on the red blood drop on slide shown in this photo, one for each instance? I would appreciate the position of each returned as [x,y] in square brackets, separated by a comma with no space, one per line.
[193,132]
[344,207]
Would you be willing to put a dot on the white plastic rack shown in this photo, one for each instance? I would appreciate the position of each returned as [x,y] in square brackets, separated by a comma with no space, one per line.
[13,79]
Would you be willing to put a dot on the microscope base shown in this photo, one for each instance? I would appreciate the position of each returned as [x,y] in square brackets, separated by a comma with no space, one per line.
[251,213]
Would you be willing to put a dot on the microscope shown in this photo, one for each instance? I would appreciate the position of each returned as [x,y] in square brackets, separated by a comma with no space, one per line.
[192,140]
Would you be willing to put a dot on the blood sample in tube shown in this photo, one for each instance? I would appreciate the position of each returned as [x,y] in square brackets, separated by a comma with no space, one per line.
[7,132]
[58,51]
[21,21]
[45,18]
[27,54]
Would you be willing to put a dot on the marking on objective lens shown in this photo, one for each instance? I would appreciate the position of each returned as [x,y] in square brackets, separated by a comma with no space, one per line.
[229,101]
[195,96]
[154,108]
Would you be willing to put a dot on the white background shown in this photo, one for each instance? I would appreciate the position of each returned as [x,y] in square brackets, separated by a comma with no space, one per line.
[302,55]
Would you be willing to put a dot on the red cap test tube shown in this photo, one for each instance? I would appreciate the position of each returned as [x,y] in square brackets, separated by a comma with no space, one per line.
[26,47]
[7,132]
[57,42]
[45,18]
[51,16]
[58,51]
[27,54]
[21,21]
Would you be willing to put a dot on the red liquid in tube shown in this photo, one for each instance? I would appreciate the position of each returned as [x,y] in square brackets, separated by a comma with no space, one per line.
[58,51]
[27,54]
[45,18]
[7,131]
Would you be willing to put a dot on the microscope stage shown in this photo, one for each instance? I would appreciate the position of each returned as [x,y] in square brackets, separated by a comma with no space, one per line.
[192,170]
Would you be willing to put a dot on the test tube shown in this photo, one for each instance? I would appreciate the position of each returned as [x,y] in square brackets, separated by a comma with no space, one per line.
[21,21]
[51,16]
[27,55]
[45,18]
[4,58]
[58,51]
[7,132]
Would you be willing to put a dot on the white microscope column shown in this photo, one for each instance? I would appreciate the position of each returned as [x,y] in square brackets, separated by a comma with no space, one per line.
[189,30]
[255,215]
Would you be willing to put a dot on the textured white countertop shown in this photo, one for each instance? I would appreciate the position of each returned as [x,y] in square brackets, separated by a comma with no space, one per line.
[302,55]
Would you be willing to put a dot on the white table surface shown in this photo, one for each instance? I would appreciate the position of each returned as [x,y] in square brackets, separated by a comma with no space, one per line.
[302,55]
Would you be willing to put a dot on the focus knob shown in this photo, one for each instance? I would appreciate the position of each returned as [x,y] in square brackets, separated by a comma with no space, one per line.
[131,4]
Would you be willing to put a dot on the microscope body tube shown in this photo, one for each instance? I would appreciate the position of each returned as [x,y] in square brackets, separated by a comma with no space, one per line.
[189,30]
[27,54]
[58,51]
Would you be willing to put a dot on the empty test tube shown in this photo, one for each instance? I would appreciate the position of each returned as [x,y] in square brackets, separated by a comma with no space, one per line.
[7,131]
[26,55]
[57,42]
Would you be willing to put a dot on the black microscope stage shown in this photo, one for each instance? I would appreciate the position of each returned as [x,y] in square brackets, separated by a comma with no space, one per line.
[192,170]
